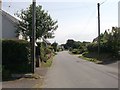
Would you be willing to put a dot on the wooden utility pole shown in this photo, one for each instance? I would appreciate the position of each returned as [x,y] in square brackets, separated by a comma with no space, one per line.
[33,34]
[98,5]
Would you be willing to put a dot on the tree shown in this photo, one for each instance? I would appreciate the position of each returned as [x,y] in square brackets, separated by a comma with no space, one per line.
[114,40]
[110,41]
[69,43]
[54,45]
[45,26]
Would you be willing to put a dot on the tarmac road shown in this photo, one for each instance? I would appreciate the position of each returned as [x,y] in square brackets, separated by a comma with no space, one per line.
[69,71]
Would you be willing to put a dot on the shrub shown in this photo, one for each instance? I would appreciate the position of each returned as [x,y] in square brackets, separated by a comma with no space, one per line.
[48,51]
[5,74]
[74,51]
[104,47]
[16,56]
[85,54]
[42,52]
[77,51]
[92,47]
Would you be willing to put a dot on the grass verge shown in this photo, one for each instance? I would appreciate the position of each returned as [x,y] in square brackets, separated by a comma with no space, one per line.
[90,59]
[48,63]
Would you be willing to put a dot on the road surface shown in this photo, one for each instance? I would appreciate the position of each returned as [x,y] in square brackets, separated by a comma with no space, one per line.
[69,71]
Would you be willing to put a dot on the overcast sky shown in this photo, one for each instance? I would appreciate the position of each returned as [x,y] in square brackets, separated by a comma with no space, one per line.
[77,19]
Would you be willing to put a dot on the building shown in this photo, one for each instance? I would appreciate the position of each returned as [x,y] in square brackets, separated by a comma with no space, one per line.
[119,14]
[9,24]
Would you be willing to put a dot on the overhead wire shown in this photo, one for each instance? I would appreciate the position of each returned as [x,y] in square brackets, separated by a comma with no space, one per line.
[103,2]
[89,20]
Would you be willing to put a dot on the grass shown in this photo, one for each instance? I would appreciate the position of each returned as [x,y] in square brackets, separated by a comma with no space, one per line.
[93,57]
[88,59]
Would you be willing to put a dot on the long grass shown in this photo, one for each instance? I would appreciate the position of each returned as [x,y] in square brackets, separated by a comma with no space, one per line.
[48,62]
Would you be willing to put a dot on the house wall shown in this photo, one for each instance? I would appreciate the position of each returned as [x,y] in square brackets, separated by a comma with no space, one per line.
[8,28]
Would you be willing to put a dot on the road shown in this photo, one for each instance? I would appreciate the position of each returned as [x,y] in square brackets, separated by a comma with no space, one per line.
[69,71]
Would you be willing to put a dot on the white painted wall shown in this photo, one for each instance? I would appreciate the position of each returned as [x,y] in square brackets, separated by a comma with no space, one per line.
[8,28]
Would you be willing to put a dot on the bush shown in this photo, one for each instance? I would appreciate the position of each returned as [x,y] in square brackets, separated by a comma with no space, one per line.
[16,56]
[85,54]
[42,52]
[104,47]
[77,51]
[48,51]
[92,47]
[45,51]
[5,74]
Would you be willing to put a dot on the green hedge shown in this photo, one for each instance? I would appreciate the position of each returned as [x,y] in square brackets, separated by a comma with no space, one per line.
[42,52]
[16,56]
[104,47]
[77,51]
[45,51]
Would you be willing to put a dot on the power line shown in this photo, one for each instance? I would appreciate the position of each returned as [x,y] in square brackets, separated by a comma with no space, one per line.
[103,2]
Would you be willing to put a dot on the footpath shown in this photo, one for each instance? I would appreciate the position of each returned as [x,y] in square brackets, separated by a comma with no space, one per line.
[29,81]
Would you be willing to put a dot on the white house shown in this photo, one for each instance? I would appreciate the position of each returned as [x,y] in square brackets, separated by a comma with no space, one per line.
[9,24]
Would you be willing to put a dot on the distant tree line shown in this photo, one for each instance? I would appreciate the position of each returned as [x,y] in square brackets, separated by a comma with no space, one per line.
[76,47]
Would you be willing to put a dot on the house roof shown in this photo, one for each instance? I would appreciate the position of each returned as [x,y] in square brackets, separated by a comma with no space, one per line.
[10,17]
[46,41]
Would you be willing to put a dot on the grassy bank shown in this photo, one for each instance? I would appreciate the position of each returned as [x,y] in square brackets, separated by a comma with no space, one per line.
[88,59]
[49,62]
[105,58]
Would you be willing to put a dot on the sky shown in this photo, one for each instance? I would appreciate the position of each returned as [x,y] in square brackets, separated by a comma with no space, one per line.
[77,19]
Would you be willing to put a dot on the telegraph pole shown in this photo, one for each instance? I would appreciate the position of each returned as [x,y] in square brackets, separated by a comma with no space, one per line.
[98,5]
[33,34]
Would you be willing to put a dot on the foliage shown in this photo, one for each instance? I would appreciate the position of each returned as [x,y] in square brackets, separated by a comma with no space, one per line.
[42,52]
[54,45]
[48,50]
[45,52]
[5,74]
[76,47]
[92,47]
[45,26]
[48,63]
[113,40]
[69,44]
[77,51]
[89,59]
[110,42]
[16,56]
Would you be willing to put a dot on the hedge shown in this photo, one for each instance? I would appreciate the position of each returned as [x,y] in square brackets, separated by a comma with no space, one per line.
[77,51]
[93,47]
[16,56]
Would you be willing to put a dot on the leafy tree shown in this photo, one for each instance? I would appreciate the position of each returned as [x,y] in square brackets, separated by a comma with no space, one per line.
[70,43]
[76,45]
[109,42]
[54,45]
[114,39]
[45,26]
